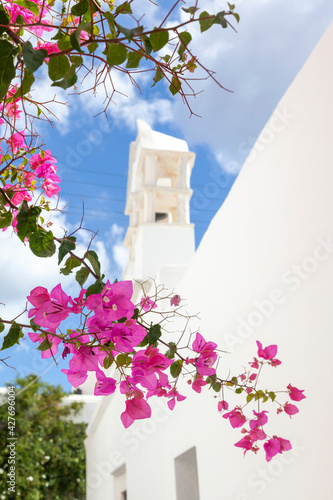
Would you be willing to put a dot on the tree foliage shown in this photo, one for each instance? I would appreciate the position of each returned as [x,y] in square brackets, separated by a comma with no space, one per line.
[50,456]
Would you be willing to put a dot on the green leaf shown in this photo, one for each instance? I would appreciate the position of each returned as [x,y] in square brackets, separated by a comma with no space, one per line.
[33,325]
[76,61]
[4,19]
[75,36]
[27,218]
[80,8]
[117,54]
[2,326]
[110,19]
[107,362]
[158,39]
[133,60]
[64,43]
[171,351]
[148,45]
[239,390]
[216,386]
[190,10]
[27,81]
[249,397]
[69,80]
[41,243]
[32,58]
[176,368]
[231,6]
[236,16]
[124,8]
[154,334]
[185,39]
[96,288]
[158,76]
[13,336]
[58,67]
[82,276]
[6,218]
[7,69]
[70,264]
[129,33]
[26,4]
[175,85]
[219,19]
[92,47]
[272,395]
[66,246]
[93,259]
[205,24]
[45,345]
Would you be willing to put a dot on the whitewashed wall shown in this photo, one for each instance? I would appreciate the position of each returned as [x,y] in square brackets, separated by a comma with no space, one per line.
[267,262]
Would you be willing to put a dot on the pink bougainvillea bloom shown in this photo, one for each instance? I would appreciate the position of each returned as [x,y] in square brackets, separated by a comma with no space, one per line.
[236,417]
[222,405]
[175,396]
[295,394]
[136,409]
[260,420]
[75,377]
[272,447]
[252,377]
[254,364]
[104,385]
[198,383]
[246,443]
[17,141]
[147,304]
[175,300]
[113,303]
[290,409]
[50,189]
[268,353]
[285,445]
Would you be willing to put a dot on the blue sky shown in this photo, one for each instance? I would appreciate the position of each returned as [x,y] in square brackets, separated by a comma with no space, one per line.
[274,39]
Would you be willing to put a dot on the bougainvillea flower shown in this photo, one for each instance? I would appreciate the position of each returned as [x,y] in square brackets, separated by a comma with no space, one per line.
[290,409]
[272,447]
[236,417]
[104,385]
[246,443]
[268,353]
[113,302]
[222,405]
[136,409]
[198,383]
[175,300]
[295,394]
[147,304]
[260,420]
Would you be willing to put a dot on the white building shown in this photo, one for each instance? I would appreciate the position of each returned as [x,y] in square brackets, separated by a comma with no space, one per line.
[263,271]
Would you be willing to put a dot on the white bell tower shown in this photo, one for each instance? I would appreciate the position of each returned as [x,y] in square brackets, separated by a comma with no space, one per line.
[160,236]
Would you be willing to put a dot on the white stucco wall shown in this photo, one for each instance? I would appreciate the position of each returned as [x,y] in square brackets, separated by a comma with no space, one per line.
[267,262]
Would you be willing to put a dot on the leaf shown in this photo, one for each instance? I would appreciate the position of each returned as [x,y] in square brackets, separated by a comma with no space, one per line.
[129,33]
[7,69]
[82,276]
[124,8]
[4,19]
[117,54]
[236,16]
[27,218]
[64,43]
[97,287]
[76,61]
[66,246]
[231,6]
[80,8]
[171,351]
[110,19]
[13,336]
[148,45]
[249,397]
[26,4]
[75,36]
[92,47]
[158,39]
[158,76]
[239,390]
[190,10]
[45,345]
[32,58]
[176,368]
[33,325]
[185,39]
[41,243]
[205,24]
[219,19]
[175,85]
[107,362]
[93,259]
[133,60]
[154,334]
[27,81]
[272,395]
[69,80]
[2,326]
[6,218]
[70,264]
[58,67]
[216,386]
